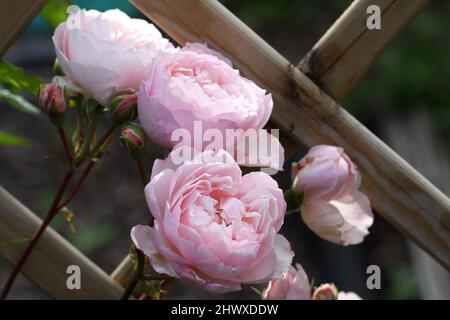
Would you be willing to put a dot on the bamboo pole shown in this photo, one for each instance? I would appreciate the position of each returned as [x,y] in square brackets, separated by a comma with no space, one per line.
[48,263]
[348,49]
[15,15]
[309,116]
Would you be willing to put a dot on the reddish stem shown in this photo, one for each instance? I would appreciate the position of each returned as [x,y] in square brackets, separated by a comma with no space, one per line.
[62,134]
[142,173]
[34,240]
[77,186]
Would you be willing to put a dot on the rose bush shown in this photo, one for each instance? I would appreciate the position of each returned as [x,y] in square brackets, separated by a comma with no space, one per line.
[106,52]
[212,225]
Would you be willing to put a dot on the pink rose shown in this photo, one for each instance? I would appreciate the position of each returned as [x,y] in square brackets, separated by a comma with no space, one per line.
[333,207]
[294,285]
[199,85]
[212,225]
[106,52]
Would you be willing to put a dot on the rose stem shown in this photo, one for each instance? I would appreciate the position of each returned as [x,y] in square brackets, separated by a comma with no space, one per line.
[34,240]
[102,144]
[54,209]
[62,134]
[142,173]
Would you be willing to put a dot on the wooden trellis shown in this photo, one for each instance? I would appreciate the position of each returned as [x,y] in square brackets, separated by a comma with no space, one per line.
[306,111]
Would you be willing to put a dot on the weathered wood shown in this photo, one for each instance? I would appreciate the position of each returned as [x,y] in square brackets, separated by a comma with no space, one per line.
[429,155]
[309,116]
[15,15]
[48,263]
[348,49]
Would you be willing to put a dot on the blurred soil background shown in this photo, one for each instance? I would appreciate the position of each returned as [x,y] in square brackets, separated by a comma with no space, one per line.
[410,81]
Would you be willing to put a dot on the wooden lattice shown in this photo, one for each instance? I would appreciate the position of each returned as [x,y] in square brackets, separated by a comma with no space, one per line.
[306,111]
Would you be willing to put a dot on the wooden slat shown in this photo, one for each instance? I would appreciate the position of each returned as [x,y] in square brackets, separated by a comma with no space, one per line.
[15,15]
[309,116]
[348,49]
[48,263]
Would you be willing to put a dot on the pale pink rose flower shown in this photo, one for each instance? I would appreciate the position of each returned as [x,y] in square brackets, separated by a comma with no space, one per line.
[198,85]
[212,225]
[333,206]
[294,285]
[106,52]
[348,296]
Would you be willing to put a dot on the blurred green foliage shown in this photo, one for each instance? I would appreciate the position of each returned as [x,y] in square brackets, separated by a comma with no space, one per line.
[11,140]
[89,239]
[55,12]
[413,73]
[402,283]
[15,78]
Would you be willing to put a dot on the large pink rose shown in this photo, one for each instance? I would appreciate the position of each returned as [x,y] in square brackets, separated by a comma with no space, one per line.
[212,225]
[333,207]
[106,52]
[199,85]
[294,285]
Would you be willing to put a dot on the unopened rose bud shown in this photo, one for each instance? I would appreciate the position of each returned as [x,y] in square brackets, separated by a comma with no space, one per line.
[134,138]
[51,99]
[325,291]
[124,108]
[332,206]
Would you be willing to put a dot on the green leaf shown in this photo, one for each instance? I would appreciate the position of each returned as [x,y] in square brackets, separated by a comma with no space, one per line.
[55,12]
[18,102]
[10,140]
[17,79]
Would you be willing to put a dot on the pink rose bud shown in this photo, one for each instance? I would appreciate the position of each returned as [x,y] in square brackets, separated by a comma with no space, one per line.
[294,285]
[124,108]
[325,291]
[134,138]
[333,207]
[214,226]
[51,99]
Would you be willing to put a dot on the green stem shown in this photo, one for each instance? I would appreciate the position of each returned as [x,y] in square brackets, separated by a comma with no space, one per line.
[88,138]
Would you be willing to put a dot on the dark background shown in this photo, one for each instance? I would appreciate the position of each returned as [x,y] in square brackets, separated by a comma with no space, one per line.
[410,84]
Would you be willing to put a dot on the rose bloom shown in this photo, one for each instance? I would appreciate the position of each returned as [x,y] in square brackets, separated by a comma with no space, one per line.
[333,207]
[106,52]
[212,225]
[197,84]
[294,285]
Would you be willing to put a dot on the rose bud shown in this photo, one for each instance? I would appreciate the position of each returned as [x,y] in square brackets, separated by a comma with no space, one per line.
[294,285]
[134,138]
[325,291]
[124,108]
[333,207]
[51,99]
